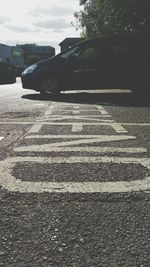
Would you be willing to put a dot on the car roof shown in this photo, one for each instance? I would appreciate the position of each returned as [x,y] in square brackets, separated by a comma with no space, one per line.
[125,38]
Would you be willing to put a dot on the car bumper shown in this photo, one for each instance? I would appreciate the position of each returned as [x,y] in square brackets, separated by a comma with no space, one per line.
[29,83]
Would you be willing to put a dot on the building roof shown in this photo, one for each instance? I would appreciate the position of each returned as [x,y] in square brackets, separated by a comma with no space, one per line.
[36,49]
[70,40]
[5,45]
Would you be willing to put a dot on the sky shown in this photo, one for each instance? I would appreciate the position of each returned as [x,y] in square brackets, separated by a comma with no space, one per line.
[44,22]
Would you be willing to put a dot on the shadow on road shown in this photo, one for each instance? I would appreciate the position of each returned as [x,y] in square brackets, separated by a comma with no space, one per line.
[106,99]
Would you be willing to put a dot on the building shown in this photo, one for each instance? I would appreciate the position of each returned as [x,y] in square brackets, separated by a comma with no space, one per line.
[12,55]
[69,42]
[33,52]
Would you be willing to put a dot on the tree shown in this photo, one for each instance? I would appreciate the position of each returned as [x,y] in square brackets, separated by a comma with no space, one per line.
[107,17]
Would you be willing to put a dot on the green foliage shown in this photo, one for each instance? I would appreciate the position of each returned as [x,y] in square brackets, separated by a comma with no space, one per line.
[107,17]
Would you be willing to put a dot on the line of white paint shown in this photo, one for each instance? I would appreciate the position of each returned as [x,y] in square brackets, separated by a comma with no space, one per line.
[76,107]
[48,112]
[76,112]
[75,159]
[71,123]
[75,120]
[10,183]
[134,124]
[35,128]
[39,104]
[82,123]
[99,137]
[64,105]
[1,138]
[102,110]
[81,116]
[74,117]
[118,128]
[70,110]
[103,138]
[77,127]
[48,148]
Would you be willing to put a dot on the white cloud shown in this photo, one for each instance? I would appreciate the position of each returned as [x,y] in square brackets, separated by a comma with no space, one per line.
[56,11]
[33,21]
[57,25]
[3,20]
[20,29]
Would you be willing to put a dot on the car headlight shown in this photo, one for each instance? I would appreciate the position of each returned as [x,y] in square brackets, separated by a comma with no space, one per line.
[30,69]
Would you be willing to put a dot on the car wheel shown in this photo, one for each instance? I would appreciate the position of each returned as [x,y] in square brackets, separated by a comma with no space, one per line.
[51,86]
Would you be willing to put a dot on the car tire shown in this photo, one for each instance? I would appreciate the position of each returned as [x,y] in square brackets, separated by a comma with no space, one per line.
[50,86]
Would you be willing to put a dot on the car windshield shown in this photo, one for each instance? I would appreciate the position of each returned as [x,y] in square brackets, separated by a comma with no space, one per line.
[69,52]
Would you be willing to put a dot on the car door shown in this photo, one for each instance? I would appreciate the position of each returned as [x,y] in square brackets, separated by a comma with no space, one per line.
[119,64]
[88,67]
[85,67]
[94,66]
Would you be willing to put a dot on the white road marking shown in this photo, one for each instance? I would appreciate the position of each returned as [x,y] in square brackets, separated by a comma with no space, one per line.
[118,128]
[102,110]
[40,104]
[77,127]
[70,110]
[49,148]
[35,128]
[76,112]
[71,136]
[48,112]
[74,117]
[1,138]
[84,139]
[76,107]
[101,138]
[10,183]
[71,123]
[135,124]
[81,116]
[111,124]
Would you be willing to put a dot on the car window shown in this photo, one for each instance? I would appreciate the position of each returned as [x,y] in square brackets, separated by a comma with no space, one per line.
[69,52]
[90,53]
[98,52]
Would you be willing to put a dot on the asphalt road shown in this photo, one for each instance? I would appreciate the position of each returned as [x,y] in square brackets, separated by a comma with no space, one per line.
[75,179]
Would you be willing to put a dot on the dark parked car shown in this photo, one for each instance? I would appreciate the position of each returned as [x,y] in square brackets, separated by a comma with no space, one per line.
[114,62]
[7,73]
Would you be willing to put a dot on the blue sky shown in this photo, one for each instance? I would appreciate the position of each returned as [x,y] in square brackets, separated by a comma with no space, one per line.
[44,22]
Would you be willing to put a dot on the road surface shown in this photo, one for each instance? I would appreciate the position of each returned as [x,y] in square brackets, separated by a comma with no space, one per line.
[75,179]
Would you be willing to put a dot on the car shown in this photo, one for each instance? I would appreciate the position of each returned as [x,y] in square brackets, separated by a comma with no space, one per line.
[111,62]
[7,73]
